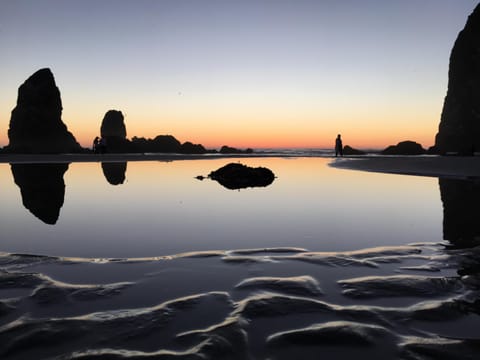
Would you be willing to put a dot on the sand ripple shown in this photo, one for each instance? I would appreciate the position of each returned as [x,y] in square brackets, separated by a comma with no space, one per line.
[276,303]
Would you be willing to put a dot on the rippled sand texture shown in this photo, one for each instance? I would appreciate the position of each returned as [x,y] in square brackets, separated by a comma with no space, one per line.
[409,302]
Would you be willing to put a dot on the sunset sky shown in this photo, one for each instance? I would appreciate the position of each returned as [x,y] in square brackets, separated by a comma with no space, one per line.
[245,73]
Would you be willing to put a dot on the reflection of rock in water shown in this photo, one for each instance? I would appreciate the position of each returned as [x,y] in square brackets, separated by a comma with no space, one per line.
[42,188]
[238,176]
[114,172]
[461,219]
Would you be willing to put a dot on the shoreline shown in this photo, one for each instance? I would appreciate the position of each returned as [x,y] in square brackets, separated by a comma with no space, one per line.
[431,166]
[71,158]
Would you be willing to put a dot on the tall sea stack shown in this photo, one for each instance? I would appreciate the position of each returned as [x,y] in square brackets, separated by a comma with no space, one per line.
[459,130]
[36,124]
[113,130]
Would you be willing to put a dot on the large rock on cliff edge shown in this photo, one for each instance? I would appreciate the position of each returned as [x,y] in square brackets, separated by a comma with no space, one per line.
[459,129]
[36,124]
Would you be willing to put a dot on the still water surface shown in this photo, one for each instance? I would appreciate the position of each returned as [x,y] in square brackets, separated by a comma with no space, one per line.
[144,209]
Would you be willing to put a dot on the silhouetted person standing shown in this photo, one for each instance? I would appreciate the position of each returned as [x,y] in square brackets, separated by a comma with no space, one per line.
[338,146]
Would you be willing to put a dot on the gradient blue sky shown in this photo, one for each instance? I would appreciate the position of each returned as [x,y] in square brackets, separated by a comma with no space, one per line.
[250,73]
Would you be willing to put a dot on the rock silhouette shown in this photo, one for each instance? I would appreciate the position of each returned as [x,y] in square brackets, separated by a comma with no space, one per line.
[114,131]
[238,176]
[404,148]
[36,125]
[42,188]
[459,129]
[348,150]
[114,172]
[461,219]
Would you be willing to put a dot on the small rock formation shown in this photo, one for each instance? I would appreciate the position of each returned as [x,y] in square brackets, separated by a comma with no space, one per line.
[404,148]
[231,150]
[238,176]
[459,130]
[114,172]
[36,125]
[42,188]
[189,148]
[114,132]
[348,150]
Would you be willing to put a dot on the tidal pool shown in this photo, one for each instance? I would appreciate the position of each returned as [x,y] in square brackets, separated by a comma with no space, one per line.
[143,260]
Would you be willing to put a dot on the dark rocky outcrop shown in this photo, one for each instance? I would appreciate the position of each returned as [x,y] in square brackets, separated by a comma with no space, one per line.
[114,132]
[348,150]
[114,172]
[231,150]
[239,176]
[42,188]
[404,148]
[189,148]
[113,125]
[459,130]
[36,125]
[461,219]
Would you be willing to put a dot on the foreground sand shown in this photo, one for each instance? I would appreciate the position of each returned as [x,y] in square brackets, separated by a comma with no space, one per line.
[436,166]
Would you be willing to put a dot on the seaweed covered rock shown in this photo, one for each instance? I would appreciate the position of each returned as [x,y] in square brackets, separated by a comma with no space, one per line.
[36,125]
[404,148]
[239,176]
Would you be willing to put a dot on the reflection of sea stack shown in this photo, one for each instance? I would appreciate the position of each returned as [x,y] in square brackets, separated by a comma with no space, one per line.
[114,172]
[114,131]
[36,125]
[459,129]
[42,188]
[238,176]
[461,219]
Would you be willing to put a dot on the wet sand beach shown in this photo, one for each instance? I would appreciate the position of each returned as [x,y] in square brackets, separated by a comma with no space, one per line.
[435,166]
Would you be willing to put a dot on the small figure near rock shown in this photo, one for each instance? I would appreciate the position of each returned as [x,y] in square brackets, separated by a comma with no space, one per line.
[338,146]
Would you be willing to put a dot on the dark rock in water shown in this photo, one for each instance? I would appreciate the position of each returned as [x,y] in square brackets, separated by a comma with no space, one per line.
[189,148]
[114,172]
[36,125]
[459,130]
[348,150]
[42,188]
[404,148]
[461,219]
[239,176]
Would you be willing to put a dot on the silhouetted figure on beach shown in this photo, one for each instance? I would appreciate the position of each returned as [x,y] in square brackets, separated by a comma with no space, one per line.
[338,146]
[96,145]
